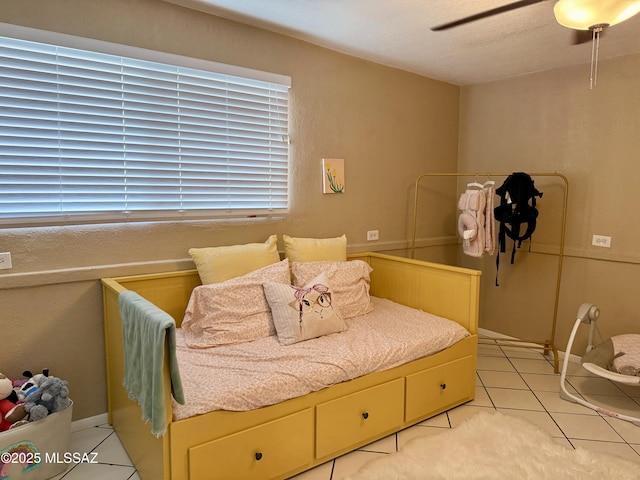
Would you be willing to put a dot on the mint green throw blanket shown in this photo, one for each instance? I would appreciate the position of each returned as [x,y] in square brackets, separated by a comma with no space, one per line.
[144,328]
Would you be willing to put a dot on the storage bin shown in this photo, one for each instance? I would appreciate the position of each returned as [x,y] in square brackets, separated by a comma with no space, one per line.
[36,451]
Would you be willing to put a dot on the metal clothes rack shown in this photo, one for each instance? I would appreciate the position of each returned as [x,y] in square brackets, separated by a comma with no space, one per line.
[546,345]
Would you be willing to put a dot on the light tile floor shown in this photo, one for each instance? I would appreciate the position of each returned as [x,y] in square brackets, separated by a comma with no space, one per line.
[515,381]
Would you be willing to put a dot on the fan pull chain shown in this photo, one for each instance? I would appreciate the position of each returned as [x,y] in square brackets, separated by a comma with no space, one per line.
[595,50]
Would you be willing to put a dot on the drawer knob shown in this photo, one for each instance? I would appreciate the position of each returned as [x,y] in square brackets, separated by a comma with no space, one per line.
[365,415]
[258,455]
[443,386]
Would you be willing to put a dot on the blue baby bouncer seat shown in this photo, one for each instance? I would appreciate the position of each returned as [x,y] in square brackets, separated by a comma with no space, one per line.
[616,359]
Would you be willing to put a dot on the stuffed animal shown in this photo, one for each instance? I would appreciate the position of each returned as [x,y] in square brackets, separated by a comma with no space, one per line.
[31,383]
[51,396]
[11,413]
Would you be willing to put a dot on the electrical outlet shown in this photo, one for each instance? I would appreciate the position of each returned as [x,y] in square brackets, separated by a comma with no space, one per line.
[601,241]
[5,260]
[373,235]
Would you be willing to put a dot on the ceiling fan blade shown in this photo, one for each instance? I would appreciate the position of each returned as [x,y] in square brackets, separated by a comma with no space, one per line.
[487,13]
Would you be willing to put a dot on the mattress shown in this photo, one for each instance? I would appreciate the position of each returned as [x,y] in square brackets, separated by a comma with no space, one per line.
[255,374]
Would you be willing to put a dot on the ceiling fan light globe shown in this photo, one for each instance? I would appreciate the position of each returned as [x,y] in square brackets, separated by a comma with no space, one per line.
[584,14]
[631,9]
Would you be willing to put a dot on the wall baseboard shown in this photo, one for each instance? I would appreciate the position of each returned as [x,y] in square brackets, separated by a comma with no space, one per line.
[490,334]
[89,422]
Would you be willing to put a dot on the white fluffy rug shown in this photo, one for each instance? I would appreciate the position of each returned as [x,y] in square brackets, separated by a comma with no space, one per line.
[495,446]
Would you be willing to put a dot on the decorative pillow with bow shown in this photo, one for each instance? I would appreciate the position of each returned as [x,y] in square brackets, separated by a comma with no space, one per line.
[302,313]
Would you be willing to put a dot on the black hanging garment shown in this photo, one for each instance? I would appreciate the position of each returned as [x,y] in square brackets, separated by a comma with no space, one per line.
[517,208]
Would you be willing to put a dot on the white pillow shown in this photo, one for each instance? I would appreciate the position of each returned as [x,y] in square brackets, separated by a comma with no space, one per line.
[233,311]
[350,281]
[302,313]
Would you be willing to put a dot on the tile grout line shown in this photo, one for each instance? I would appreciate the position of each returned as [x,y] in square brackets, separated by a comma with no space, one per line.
[550,414]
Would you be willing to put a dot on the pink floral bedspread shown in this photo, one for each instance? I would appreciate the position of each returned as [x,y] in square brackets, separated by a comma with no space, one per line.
[251,375]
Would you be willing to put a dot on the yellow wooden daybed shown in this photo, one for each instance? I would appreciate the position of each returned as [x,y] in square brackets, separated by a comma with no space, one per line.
[282,440]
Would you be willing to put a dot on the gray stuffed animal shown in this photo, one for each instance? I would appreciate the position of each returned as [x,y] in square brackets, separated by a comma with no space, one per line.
[51,397]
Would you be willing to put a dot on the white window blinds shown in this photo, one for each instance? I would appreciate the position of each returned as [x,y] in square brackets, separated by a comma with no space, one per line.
[87,136]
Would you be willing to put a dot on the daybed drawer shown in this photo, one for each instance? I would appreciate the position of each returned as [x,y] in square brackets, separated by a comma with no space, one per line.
[265,451]
[436,388]
[349,420]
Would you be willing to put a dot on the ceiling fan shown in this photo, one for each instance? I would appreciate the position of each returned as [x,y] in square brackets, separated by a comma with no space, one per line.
[588,18]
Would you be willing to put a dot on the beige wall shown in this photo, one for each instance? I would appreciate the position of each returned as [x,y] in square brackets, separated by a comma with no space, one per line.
[553,122]
[388,125]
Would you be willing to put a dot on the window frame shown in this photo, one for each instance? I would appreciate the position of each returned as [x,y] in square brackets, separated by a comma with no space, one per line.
[155,215]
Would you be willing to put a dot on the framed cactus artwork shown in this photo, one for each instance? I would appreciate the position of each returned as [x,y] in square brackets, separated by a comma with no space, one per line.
[332,175]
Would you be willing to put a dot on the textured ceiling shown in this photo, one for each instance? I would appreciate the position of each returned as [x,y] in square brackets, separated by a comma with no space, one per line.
[398,33]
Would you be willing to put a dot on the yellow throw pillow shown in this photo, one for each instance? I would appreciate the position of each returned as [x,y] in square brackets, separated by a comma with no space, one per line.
[217,264]
[315,249]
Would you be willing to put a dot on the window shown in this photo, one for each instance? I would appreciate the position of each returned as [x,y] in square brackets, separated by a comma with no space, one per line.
[89,135]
